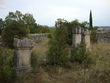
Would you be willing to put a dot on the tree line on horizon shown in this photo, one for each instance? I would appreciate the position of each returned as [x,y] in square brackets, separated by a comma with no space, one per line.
[18,25]
[30,22]
[26,19]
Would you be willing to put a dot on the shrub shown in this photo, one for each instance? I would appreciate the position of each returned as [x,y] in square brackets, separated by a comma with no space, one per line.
[58,50]
[82,55]
[93,36]
[34,60]
[7,73]
[14,30]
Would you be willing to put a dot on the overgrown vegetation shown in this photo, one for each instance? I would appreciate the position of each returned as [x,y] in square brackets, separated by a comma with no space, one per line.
[7,74]
[82,55]
[58,50]
[96,73]
[14,30]
[76,73]
[51,61]
[93,36]
[27,19]
[70,26]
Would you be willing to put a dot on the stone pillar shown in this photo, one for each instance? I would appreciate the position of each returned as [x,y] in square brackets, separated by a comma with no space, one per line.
[76,38]
[22,56]
[87,39]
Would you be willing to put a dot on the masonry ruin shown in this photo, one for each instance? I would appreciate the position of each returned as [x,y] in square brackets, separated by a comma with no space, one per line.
[39,37]
[87,39]
[103,37]
[22,56]
[76,38]
[80,35]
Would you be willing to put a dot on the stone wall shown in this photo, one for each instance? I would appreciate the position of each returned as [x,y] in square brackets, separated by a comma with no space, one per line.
[38,37]
[103,37]
[35,37]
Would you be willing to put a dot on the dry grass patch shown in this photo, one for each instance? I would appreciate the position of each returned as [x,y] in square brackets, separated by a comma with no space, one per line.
[99,72]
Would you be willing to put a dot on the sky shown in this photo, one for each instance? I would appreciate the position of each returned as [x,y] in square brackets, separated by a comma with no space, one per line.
[46,12]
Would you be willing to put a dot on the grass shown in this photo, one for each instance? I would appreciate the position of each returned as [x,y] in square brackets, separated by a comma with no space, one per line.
[6,66]
[99,72]
[39,51]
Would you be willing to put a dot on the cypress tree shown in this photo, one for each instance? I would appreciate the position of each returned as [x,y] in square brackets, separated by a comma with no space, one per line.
[90,20]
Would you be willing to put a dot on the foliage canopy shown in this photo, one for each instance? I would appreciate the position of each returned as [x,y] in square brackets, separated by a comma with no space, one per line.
[14,30]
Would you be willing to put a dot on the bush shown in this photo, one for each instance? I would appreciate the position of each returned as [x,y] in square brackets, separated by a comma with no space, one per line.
[58,50]
[14,30]
[34,60]
[82,55]
[93,36]
[7,73]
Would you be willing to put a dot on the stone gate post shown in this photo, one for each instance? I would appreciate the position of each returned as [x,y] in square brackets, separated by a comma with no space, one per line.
[76,38]
[87,39]
[22,56]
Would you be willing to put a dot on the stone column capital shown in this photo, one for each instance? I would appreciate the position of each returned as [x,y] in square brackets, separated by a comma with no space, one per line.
[77,30]
[24,43]
[87,32]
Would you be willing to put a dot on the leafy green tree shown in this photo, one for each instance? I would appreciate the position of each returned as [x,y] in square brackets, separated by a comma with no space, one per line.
[1,25]
[58,50]
[14,30]
[43,29]
[14,16]
[70,26]
[90,20]
[27,19]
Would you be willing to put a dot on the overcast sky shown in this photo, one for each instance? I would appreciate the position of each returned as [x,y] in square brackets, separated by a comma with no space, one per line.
[46,12]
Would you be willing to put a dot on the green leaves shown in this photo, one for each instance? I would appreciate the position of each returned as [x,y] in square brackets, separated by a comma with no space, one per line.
[26,19]
[58,50]
[6,69]
[82,55]
[14,30]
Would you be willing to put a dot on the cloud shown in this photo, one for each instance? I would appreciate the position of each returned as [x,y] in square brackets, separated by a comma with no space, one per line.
[47,11]
[2,2]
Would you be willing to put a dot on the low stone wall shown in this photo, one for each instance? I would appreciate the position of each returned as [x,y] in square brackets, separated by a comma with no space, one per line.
[38,37]
[35,37]
[103,37]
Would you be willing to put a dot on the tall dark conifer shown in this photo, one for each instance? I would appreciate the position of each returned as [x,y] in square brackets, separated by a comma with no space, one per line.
[90,20]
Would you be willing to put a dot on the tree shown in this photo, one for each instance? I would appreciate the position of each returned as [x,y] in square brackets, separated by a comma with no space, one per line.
[70,26]
[90,20]
[27,19]
[14,16]
[58,50]
[1,25]
[43,29]
[14,30]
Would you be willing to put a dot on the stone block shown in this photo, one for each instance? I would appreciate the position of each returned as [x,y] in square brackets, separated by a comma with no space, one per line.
[87,39]
[22,55]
